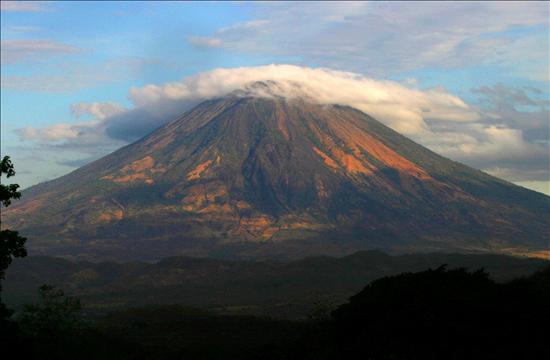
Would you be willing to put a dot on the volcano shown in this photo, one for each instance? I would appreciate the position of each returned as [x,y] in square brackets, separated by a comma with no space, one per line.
[252,176]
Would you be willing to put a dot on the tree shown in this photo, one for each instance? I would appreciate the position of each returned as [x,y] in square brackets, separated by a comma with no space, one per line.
[321,309]
[55,314]
[12,245]
[445,314]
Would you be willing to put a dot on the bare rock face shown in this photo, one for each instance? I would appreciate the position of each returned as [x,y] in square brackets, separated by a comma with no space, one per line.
[266,176]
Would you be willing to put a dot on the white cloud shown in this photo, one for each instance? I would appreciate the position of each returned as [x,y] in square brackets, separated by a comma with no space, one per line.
[403,108]
[24,29]
[540,186]
[14,51]
[90,133]
[22,6]
[497,143]
[100,111]
[245,25]
[51,133]
[204,42]
[527,56]
[69,76]
[215,41]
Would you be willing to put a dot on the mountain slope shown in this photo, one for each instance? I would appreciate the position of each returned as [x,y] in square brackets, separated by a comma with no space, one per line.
[255,176]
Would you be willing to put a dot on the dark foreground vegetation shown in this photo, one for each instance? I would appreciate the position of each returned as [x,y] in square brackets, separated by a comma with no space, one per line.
[286,290]
[433,314]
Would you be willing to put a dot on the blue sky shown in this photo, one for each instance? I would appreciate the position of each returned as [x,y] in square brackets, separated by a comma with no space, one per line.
[68,66]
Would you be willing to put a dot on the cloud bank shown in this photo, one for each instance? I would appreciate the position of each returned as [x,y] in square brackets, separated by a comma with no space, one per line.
[402,107]
[433,117]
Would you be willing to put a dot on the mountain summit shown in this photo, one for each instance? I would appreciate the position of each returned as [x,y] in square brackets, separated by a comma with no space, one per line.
[251,175]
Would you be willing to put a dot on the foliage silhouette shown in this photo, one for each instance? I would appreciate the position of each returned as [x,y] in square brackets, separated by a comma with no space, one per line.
[451,314]
[54,315]
[12,245]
